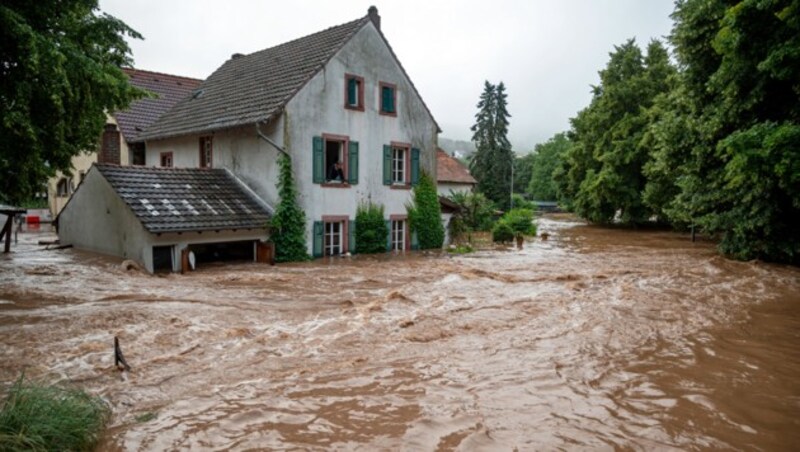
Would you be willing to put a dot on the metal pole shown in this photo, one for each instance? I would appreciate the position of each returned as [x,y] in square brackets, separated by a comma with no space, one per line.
[512,181]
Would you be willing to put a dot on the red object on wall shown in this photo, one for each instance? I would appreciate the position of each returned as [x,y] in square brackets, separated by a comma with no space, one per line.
[32,219]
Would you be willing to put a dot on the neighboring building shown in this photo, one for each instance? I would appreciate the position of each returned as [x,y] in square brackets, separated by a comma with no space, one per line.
[337,95]
[157,216]
[120,143]
[452,175]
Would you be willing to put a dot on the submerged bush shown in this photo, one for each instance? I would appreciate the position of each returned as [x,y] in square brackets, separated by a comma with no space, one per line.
[371,230]
[502,232]
[35,416]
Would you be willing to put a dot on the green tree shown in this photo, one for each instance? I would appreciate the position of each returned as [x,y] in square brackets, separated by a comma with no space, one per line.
[475,211]
[425,214]
[492,162]
[523,168]
[60,73]
[288,225]
[738,175]
[371,231]
[545,159]
[603,171]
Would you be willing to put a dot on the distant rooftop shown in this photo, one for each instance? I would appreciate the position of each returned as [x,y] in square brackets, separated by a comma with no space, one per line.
[169,89]
[450,170]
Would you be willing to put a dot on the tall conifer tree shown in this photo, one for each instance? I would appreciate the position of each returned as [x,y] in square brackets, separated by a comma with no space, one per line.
[493,159]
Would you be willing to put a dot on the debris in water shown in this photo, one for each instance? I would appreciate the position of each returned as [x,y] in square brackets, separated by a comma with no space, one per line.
[118,358]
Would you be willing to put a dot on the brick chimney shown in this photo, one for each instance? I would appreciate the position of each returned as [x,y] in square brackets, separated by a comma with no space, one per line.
[372,12]
[109,146]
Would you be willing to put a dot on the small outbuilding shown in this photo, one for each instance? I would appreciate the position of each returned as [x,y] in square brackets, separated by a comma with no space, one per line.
[159,217]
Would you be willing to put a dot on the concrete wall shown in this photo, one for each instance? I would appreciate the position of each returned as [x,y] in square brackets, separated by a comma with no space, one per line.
[444,188]
[98,220]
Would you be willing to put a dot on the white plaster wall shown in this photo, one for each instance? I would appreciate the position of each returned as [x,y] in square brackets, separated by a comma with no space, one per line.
[319,109]
[444,188]
[98,220]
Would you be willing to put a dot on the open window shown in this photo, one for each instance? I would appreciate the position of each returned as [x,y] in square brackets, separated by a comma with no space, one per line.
[353,92]
[63,187]
[137,154]
[335,161]
[166,159]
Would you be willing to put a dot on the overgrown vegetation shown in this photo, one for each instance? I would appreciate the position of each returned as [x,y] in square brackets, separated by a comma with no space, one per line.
[475,213]
[288,225]
[35,416]
[371,230]
[425,214]
[545,160]
[61,74]
[502,232]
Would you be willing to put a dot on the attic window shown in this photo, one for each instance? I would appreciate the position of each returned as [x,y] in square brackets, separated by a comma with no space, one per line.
[353,92]
[388,99]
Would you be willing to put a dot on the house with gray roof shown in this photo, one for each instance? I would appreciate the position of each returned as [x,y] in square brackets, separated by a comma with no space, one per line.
[159,217]
[336,96]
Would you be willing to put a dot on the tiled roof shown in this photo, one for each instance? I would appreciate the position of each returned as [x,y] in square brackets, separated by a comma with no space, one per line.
[450,170]
[169,89]
[186,199]
[252,88]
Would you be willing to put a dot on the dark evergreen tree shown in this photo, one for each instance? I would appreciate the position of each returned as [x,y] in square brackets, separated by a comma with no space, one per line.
[60,73]
[425,214]
[288,225]
[493,160]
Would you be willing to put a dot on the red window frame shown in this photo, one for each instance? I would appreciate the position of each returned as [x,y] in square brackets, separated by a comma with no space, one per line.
[345,140]
[360,94]
[381,85]
[207,161]
[162,158]
[344,220]
[406,232]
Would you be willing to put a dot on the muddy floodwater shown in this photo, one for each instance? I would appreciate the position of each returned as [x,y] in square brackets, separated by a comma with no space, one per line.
[593,339]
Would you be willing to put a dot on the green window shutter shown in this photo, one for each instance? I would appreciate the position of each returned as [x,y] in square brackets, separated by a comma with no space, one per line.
[414,240]
[387,99]
[318,228]
[352,162]
[414,166]
[319,161]
[387,164]
[388,235]
[352,91]
[351,236]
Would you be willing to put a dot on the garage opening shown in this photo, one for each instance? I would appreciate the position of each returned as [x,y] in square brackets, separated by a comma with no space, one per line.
[206,253]
[162,258]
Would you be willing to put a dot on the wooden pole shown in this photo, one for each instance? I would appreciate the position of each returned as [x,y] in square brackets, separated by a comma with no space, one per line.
[7,232]
[118,358]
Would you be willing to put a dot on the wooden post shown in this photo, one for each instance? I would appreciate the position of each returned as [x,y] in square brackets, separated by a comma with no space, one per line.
[118,358]
[7,232]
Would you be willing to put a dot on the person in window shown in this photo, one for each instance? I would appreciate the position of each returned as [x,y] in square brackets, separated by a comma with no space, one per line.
[335,172]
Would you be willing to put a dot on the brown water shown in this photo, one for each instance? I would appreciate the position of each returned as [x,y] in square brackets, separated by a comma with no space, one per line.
[594,339]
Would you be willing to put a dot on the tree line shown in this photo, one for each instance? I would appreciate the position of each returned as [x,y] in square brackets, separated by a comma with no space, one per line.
[709,140]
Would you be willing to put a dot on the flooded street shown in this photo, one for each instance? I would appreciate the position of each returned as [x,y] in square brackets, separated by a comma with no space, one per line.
[593,339]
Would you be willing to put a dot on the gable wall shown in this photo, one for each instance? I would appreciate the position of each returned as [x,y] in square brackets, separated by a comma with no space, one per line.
[319,109]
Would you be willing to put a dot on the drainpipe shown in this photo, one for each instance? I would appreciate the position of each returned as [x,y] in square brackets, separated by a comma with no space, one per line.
[269,140]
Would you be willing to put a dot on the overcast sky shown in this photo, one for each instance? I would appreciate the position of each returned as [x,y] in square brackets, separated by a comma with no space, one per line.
[547,52]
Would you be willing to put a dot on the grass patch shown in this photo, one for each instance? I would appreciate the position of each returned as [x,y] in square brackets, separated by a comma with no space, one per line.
[35,416]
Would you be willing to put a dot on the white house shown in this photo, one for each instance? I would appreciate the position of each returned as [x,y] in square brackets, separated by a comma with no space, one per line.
[337,95]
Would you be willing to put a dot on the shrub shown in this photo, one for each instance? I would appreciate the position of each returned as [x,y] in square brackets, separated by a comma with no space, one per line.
[521,203]
[288,225]
[502,232]
[425,214]
[520,221]
[475,212]
[371,231]
[40,417]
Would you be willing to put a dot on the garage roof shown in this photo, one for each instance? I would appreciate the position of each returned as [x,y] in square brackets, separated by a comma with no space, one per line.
[187,199]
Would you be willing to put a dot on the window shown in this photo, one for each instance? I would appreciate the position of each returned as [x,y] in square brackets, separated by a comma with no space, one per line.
[62,187]
[353,92]
[398,235]
[399,165]
[333,238]
[330,150]
[206,152]
[388,99]
[166,159]
[137,154]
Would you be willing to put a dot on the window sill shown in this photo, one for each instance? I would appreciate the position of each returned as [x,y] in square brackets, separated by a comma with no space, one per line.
[335,185]
[354,108]
[400,186]
[386,113]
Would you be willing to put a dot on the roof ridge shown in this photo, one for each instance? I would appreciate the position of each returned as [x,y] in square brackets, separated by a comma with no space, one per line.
[137,70]
[342,25]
